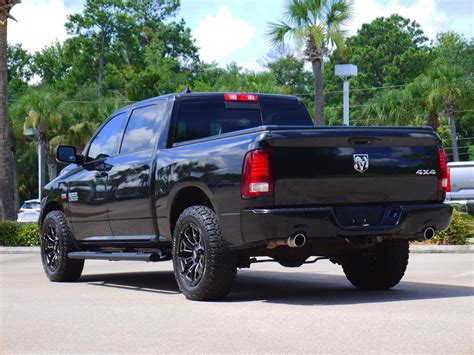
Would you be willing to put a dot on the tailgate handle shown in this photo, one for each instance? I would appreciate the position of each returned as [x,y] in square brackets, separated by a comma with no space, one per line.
[362,140]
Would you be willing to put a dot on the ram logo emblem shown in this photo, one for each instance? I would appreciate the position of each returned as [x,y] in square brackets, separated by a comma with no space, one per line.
[361,162]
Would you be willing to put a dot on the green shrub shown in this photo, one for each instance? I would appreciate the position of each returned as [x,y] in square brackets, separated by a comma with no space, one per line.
[8,232]
[18,234]
[28,235]
[457,233]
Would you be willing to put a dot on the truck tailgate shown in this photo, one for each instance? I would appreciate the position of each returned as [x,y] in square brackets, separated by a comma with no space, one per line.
[354,165]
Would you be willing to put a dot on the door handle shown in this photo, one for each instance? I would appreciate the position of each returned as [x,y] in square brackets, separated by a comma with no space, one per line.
[101,174]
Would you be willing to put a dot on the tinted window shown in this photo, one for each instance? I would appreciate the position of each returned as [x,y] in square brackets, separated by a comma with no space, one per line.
[142,128]
[285,113]
[199,119]
[106,142]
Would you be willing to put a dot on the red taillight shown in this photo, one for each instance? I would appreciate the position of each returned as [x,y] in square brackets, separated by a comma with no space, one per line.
[241,97]
[257,174]
[20,211]
[443,169]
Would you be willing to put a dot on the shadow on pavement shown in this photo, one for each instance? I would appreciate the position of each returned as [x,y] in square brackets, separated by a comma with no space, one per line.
[155,281]
[286,287]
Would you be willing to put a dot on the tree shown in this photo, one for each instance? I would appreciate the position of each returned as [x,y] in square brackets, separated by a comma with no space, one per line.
[99,22]
[449,85]
[19,70]
[289,72]
[419,90]
[7,147]
[391,108]
[389,51]
[316,25]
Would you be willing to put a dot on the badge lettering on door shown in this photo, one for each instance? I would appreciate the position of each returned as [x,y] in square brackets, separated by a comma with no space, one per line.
[73,196]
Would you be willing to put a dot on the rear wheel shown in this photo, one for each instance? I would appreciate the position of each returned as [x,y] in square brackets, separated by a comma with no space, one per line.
[204,267]
[380,270]
[56,243]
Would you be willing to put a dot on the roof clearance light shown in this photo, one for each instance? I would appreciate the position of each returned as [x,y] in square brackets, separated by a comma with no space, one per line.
[241,97]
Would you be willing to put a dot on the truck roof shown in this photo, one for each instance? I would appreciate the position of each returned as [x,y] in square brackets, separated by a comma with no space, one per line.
[203,95]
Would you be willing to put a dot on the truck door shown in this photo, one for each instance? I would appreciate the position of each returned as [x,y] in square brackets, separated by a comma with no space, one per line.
[129,184]
[87,195]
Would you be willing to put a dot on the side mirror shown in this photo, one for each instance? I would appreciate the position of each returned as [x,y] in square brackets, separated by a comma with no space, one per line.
[67,154]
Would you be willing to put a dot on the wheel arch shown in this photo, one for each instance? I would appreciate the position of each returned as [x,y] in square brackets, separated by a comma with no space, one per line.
[188,196]
[50,206]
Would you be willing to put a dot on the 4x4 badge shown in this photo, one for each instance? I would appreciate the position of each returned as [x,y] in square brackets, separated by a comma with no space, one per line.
[361,162]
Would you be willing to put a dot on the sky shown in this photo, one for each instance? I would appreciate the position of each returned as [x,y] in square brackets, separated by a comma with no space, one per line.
[234,31]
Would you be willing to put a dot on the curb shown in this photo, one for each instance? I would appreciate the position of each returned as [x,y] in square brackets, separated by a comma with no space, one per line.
[438,249]
[19,250]
[415,249]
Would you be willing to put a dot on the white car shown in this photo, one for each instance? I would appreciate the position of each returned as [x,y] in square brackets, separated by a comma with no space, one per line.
[29,212]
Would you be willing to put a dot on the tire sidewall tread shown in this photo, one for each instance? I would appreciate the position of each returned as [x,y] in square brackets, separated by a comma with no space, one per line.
[68,269]
[220,267]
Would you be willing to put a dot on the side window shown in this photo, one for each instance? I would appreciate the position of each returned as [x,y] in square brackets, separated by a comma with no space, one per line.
[106,142]
[197,119]
[142,128]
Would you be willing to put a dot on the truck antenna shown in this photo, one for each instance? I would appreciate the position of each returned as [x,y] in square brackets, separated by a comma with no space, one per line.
[187,90]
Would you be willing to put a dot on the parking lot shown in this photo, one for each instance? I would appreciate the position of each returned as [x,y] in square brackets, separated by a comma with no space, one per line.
[136,307]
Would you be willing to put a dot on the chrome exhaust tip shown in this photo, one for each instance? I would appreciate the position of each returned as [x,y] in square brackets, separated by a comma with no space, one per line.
[296,241]
[429,233]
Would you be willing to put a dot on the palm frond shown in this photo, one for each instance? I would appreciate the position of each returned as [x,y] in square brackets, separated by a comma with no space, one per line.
[315,8]
[338,12]
[296,13]
[277,32]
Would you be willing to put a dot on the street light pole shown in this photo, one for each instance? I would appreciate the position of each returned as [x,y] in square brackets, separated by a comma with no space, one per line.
[29,132]
[345,72]
[346,102]
[41,170]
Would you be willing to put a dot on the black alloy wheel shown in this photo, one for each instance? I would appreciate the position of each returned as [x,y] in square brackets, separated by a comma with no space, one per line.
[50,246]
[191,254]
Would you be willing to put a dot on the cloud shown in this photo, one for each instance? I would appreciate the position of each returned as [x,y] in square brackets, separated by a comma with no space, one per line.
[425,12]
[221,35]
[40,22]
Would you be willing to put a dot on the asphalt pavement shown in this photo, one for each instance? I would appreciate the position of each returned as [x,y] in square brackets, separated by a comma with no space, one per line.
[133,307]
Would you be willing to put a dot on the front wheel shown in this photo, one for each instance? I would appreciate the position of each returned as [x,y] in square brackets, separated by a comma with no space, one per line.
[380,270]
[56,243]
[204,267]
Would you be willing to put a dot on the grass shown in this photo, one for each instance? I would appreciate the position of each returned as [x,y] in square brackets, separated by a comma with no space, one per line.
[470,222]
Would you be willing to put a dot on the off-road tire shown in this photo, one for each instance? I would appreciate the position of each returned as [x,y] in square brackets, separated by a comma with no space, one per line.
[381,270]
[65,269]
[220,264]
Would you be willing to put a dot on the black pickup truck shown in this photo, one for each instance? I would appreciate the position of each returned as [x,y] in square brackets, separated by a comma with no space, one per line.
[218,181]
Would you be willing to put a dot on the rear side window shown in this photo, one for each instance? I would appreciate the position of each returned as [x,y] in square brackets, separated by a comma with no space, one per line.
[142,129]
[285,113]
[106,142]
[199,119]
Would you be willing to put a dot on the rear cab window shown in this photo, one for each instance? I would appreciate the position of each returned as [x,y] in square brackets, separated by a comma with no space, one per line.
[204,118]
[142,128]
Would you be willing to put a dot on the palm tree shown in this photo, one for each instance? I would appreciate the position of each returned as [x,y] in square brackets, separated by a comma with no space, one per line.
[420,90]
[449,83]
[7,148]
[316,25]
[391,108]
